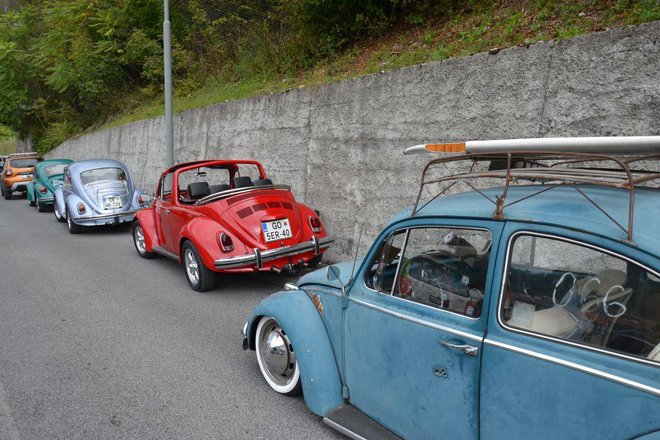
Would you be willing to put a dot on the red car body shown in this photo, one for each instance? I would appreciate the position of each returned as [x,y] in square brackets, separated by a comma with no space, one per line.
[226,226]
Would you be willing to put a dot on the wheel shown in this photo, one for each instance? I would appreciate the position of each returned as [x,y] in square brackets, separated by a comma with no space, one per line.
[31,202]
[276,358]
[7,194]
[200,277]
[73,228]
[41,207]
[138,241]
[57,214]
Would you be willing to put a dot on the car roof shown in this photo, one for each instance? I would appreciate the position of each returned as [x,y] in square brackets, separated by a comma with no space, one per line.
[82,165]
[562,206]
[49,162]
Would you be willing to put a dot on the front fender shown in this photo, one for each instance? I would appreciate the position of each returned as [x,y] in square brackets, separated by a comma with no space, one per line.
[651,436]
[147,220]
[59,201]
[296,313]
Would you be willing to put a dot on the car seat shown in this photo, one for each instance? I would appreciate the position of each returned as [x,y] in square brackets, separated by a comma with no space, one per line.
[263,182]
[218,188]
[197,190]
[241,182]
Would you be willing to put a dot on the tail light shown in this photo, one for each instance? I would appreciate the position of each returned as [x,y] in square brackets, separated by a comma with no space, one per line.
[8,173]
[43,190]
[81,208]
[315,223]
[225,242]
[140,200]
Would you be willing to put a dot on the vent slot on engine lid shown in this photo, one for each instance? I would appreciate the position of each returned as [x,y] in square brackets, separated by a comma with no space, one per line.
[245,212]
[287,205]
[274,204]
[259,207]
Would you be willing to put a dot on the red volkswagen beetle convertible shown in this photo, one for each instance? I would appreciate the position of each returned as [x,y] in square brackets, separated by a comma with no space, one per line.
[227,216]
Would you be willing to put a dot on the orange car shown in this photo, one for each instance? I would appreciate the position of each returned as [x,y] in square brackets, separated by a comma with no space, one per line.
[17,173]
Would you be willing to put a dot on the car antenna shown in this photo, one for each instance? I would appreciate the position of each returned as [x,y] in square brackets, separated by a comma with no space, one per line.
[357,249]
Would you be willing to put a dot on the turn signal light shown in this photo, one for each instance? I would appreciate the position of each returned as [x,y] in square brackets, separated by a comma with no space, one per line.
[315,223]
[43,190]
[8,173]
[225,242]
[139,200]
[81,208]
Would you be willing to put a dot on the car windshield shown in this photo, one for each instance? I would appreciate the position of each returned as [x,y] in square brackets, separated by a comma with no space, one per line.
[23,163]
[53,170]
[103,174]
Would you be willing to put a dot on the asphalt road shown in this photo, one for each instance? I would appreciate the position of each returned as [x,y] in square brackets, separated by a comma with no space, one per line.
[97,343]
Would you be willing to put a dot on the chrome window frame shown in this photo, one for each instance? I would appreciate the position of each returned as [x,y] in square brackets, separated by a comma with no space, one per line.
[507,263]
[396,276]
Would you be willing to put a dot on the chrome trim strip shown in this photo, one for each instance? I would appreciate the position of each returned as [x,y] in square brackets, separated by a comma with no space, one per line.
[418,321]
[573,365]
[258,257]
[550,338]
[347,432]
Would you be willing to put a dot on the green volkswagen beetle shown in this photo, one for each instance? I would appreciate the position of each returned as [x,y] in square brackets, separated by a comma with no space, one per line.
[46,179]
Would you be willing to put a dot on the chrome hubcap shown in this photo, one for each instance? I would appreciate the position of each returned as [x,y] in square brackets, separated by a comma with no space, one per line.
[192,269]
[277,354]
[139,240]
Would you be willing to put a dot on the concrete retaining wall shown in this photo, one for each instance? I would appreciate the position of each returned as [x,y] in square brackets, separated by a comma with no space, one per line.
[340,145]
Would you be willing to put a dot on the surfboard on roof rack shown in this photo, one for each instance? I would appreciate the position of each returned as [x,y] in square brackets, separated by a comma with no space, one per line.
[553,162]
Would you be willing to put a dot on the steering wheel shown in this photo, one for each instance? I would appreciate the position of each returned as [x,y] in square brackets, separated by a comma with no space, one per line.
[568,295]
[441,275]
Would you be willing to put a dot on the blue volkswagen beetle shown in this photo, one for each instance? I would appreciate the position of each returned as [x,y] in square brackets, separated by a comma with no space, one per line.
[96,192]
[530,310]
[46,179]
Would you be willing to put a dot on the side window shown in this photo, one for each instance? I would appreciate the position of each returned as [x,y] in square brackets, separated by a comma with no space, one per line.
[383,269]
[445,268]
[583,295]
[67,178]
[166,187]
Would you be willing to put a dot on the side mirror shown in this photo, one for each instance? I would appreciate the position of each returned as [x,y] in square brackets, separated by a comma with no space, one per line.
[332,273]
[145,199]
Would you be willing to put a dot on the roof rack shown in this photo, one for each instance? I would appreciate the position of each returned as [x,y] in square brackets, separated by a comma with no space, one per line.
[31,154]
[552,168]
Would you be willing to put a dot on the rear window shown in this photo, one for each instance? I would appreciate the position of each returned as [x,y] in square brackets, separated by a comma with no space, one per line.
[53,170]
[23,163]
[103,174]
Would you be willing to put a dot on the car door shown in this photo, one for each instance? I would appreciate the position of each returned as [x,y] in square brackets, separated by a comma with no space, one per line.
[163,207]
[414,328]
[573,346]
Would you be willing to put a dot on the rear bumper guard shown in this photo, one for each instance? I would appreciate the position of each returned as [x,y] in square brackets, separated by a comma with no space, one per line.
[259,257]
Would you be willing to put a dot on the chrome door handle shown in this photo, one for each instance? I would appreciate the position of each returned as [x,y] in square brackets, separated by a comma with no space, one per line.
[167,211]
[470,350]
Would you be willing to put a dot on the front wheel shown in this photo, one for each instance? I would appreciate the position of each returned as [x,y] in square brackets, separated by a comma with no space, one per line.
[138,241]
[73,228]
[276,358]
[41,207]
[200,277]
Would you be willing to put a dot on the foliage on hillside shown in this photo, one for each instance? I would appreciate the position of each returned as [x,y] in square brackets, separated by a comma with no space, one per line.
[71,65]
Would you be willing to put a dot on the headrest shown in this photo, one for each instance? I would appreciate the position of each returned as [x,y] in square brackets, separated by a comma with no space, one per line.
[197,190]
[262,182]
[241,182]
[218,188]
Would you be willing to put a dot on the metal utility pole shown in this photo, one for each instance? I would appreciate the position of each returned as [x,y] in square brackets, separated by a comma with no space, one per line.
[167,55]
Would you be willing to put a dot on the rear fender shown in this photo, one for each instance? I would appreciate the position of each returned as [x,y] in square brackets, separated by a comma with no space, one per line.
[59,201]
[203,233]
[296,313]
[72,205]
[30,191]
[147,220]
[306,212]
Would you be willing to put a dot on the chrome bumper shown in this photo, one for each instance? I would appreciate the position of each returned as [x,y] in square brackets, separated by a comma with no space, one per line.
[119,217]
[46,199]
[259,256]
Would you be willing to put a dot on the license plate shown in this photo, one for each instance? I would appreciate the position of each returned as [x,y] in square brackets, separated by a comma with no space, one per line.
[27,177]
[276,230]
[112,203]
